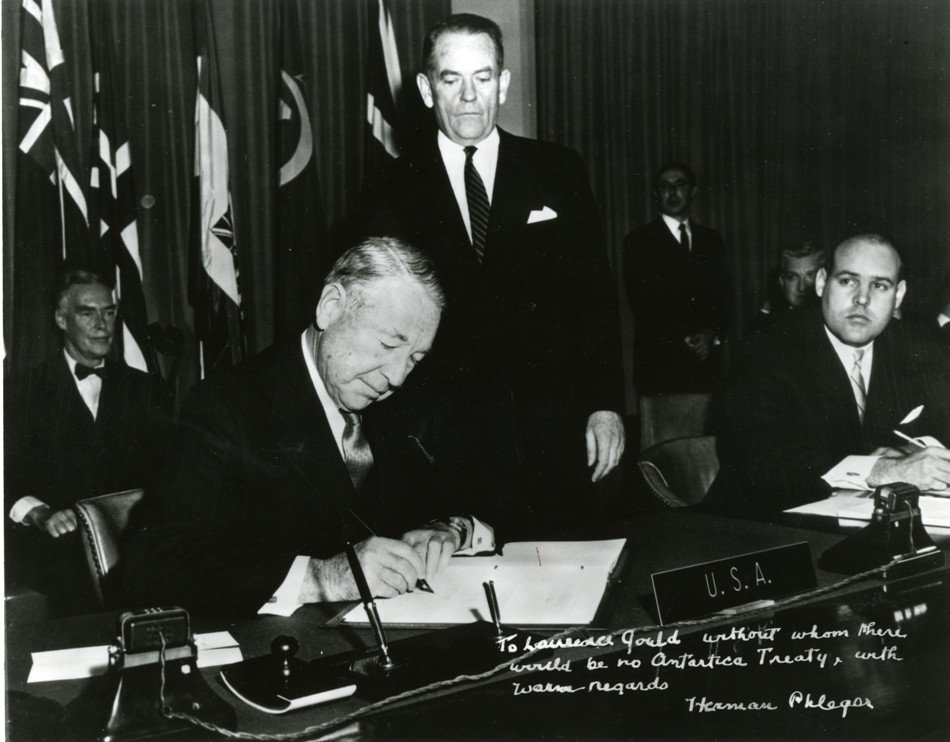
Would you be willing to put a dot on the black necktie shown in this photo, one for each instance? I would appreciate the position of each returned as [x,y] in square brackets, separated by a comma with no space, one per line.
[356,450]
[83,371]
[684,237]
[477,204]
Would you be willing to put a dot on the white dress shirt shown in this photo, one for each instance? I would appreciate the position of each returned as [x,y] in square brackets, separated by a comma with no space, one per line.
[485,160]
[673,224]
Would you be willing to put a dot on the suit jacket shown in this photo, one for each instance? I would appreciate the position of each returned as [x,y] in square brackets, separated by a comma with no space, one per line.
[674,293]
[260,480]
[55,451]
[787,413]
[538,313]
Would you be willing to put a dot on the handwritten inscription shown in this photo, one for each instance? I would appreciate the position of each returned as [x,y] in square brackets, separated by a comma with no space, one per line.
[653,662]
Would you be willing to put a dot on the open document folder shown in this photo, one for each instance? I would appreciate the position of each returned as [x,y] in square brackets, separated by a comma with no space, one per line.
[852,505]
[549,583]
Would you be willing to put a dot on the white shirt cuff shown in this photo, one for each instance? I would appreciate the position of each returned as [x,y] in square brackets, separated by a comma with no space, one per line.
[284,600]
[851,473]
[483,539]
[22,507]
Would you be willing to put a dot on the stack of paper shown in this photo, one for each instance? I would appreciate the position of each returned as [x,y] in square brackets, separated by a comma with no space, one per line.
[546,583]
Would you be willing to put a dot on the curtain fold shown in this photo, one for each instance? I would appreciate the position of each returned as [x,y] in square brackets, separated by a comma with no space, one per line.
[802,118]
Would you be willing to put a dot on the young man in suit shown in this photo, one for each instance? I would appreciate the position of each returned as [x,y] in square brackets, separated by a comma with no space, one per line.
[831,384]
[679,291]
[298,450]
[77,426]
[530,342]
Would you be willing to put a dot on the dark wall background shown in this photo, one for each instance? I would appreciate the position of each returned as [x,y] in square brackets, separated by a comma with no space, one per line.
[802,118]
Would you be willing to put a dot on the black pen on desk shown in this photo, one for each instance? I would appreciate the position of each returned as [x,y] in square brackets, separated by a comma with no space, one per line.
[493,605]
[368,604]
[421,583]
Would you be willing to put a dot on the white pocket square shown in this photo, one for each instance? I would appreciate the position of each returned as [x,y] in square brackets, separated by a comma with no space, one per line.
[542,215]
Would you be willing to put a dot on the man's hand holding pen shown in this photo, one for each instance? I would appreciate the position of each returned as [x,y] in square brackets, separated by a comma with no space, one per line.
[435,544]
[927,468]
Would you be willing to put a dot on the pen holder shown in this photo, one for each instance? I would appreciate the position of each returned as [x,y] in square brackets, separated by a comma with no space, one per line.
[468,649]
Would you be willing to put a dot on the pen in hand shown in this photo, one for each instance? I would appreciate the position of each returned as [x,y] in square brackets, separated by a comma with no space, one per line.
[909,439]
[421,583]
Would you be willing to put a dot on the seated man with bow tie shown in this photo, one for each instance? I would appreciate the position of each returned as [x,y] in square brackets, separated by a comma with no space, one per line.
[299,450]
[77,426]
[806,394]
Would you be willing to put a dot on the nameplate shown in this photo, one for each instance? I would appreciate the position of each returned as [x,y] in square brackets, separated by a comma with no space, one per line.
[711,587]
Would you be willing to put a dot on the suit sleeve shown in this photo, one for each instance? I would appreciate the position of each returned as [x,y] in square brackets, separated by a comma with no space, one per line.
[187,548]
[764,439]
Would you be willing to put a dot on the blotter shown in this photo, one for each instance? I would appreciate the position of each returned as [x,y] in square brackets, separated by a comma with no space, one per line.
[550,583]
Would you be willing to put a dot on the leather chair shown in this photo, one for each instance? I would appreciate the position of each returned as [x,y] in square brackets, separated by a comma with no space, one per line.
[666,416]
[679,472]
[102,520]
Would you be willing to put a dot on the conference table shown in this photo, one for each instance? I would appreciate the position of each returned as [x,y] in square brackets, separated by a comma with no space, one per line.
[854,658]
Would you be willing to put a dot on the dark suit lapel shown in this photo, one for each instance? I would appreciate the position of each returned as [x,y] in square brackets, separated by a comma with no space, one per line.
[440,199]
[304,435]
[64,387]
[832,381]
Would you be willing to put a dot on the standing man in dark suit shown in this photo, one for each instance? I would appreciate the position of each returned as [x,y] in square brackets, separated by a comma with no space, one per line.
[514,229]
[77,426]
[809,392]
[298,450]
[679,290]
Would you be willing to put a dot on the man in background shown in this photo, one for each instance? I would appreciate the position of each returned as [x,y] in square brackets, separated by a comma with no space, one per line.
[679,291]
[796,281]
[297,451]
[530,346]
[831,384]
[77,426]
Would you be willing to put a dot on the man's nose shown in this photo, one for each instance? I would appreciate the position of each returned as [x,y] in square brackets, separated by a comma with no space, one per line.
[396,372]
[863,295]
[99,321]
[468,90]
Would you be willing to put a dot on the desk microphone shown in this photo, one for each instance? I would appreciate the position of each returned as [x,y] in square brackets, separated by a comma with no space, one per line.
[369,605]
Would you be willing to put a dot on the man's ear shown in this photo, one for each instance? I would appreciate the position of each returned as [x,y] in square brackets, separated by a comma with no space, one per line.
[504,79]
[901,290]
[425,90]
[820,277]
[331,305]
[60,319]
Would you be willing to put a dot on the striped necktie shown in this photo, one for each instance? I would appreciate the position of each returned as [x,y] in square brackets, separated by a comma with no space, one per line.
[356,450]
[857,381]
[478,205]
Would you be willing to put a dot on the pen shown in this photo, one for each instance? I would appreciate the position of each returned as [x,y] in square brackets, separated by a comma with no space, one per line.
[909,439]
[369,604]
[493,605]
[421,583]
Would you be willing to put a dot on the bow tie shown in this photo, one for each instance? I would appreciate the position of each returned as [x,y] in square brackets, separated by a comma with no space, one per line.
[83,371]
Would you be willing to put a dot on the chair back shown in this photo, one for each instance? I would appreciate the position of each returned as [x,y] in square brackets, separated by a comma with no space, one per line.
[679,472]
[103,520]
[664,417]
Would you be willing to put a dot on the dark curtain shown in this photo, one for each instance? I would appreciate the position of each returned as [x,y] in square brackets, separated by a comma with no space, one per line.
[155,42]
[802,118]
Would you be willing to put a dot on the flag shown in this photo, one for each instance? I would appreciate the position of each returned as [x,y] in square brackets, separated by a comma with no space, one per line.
[214,289]
[302,255]
[115,203]
[51,211]
[383,86]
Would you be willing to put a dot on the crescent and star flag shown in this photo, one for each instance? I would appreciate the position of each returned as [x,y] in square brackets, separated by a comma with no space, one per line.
[302,255]
[214,279]
[383,85]
[112,174]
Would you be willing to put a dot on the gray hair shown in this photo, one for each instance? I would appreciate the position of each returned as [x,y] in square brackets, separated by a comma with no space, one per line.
[461,23]
[377,258]
[76,277]
[807,249]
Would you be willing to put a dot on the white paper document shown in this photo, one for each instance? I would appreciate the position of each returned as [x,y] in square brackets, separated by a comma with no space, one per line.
[546,583]
[214,648]
[859,505]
